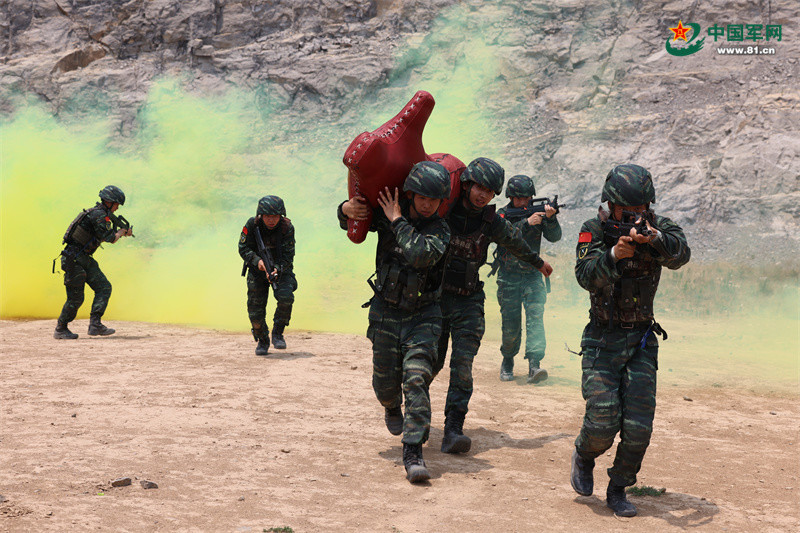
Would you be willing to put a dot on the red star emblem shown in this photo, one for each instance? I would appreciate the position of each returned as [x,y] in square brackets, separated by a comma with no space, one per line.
[679,31]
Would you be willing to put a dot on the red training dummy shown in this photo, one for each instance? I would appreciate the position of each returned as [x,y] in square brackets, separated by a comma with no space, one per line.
[384,158]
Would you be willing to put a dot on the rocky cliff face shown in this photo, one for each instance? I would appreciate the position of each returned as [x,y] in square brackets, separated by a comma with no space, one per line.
[323,51]
[582,85]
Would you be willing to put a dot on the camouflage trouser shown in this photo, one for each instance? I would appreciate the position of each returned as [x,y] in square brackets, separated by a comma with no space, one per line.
[465,323]
[77,273]
[515,291]
[403,352]
[619,386]
[258,294]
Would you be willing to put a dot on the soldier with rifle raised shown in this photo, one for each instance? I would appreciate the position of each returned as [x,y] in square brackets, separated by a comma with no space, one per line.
[620,255]
[519,284]
[91,228]
[267,247]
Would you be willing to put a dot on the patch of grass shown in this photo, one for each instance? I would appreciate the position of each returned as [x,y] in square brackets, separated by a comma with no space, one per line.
[646,490]
[284,529]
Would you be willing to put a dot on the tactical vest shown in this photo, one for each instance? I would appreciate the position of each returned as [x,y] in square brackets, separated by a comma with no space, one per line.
[400,285]
[80,239]
[272,238]
[630,299]
[466,254]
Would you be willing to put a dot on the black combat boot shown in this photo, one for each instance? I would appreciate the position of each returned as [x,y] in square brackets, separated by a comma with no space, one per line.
[618,502]
[535,374]
[581,476]
[63,332]
[507,369]
[261,336]
[97,328]
[394,420]
[263,347]
[277,337]
[454,440]
[415,466]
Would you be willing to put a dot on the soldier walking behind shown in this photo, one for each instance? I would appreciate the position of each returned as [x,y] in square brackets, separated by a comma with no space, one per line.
[85,234]
[620,266]
[520,285]
[473,224]
[405,319]
[269,238]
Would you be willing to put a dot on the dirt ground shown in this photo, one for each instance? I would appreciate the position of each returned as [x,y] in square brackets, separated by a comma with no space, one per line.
[237,442]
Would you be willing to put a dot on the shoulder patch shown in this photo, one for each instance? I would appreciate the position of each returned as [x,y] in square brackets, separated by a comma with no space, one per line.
[584,236]
[582,249]
[244,230]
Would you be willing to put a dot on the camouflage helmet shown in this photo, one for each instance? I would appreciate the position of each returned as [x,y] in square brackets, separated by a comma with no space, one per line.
[110,193]
[629,185]
[485,172]
[520,186]
[429,179]
[271,205]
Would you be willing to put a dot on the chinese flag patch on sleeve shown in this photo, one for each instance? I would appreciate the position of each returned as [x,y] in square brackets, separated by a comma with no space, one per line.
[585,236]
[244,230]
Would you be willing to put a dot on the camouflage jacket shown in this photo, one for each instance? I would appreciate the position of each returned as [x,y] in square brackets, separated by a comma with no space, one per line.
[595,267]
[422,244]
[500,231]
[279,241]
[98,225]
[550,229]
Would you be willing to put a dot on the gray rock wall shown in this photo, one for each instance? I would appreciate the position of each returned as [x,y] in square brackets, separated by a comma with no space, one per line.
[582,85]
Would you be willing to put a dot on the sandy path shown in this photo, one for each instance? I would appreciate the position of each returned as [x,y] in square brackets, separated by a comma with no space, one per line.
[242,443]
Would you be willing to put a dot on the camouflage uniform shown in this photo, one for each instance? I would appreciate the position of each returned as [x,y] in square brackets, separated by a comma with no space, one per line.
[462,307]
[404,333]
[463,298]
[520,285]
[619,345]
[85,234]
[405,319]
[280,242]
[80,268]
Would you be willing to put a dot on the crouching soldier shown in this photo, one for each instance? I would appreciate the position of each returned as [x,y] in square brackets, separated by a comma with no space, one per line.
[620,254]
[267,247]
[474,224]
[84,236]
[405,319]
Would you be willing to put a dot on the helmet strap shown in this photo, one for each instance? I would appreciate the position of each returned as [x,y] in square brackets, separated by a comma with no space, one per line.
[412,209]
[466,192]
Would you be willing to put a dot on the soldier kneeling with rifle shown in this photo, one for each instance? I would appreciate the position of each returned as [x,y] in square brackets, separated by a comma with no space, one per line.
[267,247]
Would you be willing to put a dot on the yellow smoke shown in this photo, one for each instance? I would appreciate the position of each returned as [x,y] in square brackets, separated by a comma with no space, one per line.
[196,166]
[193,174]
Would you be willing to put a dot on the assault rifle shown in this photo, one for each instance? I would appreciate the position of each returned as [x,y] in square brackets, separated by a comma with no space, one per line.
[266,256]
[536,205]
[120,222]
[614,229]
[515,214]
